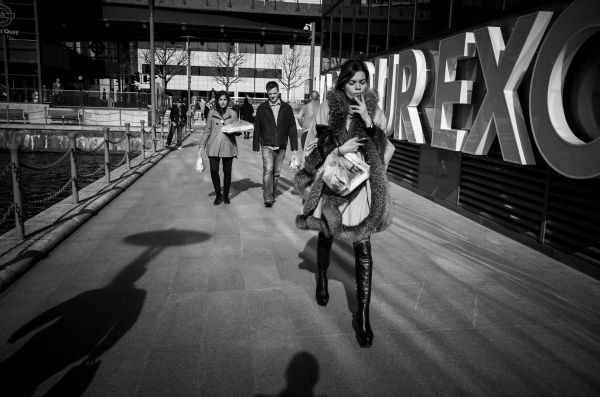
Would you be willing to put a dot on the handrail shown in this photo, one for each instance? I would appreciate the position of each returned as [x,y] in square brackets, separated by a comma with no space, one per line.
[15,166]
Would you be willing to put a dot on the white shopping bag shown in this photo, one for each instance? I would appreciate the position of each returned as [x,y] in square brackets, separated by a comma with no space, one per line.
[199,162]
[294,164]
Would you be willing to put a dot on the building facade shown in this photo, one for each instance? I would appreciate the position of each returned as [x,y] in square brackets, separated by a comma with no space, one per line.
[255,65]
[492,107]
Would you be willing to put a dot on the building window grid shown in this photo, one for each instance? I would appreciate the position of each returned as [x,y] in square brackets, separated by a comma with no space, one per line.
[201,80]
[412,18]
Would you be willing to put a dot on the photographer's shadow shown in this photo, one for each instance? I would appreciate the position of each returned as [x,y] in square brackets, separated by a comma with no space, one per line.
[81,329]
[301,375]
[341,268]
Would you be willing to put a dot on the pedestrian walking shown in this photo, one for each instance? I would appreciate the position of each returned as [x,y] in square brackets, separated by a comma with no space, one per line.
[178,119]
[306,117]
[56,92]
[220,146]
[273,126]
[209,105]
[202,107]
[247,114]
[349,122]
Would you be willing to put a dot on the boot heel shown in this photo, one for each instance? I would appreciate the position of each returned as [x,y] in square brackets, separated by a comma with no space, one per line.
[322,294]
[364,333]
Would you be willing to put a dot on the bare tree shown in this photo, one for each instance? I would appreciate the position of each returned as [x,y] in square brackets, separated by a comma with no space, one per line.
[225,64]
[293,69]
[168,61]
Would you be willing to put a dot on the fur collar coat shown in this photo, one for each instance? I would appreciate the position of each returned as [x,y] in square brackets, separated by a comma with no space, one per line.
[312,188]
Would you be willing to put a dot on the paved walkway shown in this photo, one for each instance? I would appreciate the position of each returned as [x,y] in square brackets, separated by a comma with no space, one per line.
[164,294]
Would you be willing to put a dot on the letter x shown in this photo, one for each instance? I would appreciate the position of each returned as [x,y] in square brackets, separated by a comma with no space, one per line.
[503,70]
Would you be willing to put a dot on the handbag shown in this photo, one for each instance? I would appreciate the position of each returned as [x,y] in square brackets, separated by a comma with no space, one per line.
[344,173]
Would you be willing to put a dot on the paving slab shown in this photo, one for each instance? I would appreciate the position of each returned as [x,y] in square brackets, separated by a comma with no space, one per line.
[161,293]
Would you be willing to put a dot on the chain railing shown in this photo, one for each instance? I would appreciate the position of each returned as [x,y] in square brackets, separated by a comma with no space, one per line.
[16,166]
[9,211]
[49,165]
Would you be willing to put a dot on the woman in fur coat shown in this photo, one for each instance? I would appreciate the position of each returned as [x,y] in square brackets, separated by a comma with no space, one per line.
[348,114]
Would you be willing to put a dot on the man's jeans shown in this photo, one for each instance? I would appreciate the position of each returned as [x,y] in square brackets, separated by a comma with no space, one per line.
[272,161]
[174,129]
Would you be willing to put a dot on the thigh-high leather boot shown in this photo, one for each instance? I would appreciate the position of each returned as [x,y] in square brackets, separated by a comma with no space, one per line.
[364,272]
[323,253]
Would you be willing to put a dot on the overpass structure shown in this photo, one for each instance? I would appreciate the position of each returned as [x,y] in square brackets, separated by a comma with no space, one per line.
[206,20]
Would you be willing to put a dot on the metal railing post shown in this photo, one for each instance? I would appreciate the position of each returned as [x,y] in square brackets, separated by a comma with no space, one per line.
[154,137]
[128,145]
[162,133]
[45,115]
[143,140]
[18,201]
[106,155]
[7,115]
[72,145]
[120,119]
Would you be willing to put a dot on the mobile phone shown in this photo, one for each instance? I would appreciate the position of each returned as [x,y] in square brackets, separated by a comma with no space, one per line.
[363,140]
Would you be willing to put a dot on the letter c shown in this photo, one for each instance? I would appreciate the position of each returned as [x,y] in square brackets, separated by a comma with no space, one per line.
[560,147]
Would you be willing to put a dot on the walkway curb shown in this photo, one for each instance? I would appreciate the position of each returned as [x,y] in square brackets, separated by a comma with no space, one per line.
[24,255]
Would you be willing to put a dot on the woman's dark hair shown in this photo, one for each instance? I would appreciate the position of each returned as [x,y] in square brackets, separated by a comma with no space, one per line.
[219,95]
[348,70]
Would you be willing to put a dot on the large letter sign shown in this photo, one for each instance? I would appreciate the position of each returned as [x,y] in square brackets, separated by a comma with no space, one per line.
[503,69]
[401,80]
[380,79]
[411,86]
[449,91]
[390,97]
[560,147]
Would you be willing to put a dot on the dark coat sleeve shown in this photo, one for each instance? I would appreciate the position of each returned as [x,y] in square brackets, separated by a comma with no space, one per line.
[293,131]
[257,131]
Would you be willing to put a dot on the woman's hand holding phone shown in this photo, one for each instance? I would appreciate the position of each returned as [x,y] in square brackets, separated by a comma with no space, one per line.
[350,146]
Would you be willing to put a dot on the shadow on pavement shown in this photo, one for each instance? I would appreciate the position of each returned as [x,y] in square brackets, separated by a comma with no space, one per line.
[239,186]
[84,326]
[341,267]
[301,375]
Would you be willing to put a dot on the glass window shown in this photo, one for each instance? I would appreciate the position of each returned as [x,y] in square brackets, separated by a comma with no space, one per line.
[260,73]
[325,47]
[346,34]
[336,27]
[361,28]
[401,23]
[378,37]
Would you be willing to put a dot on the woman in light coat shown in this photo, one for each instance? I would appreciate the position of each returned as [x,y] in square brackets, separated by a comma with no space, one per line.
[220,146]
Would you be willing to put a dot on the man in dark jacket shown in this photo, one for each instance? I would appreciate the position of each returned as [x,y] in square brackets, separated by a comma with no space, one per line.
[178,120]
[274,124]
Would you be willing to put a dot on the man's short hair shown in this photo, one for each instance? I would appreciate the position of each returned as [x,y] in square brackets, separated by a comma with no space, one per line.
[271,85]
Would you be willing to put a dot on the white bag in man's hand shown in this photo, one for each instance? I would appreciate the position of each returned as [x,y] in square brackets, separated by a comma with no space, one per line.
[294,164]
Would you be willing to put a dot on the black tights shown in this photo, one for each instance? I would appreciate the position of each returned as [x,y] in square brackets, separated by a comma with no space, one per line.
[214,174]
